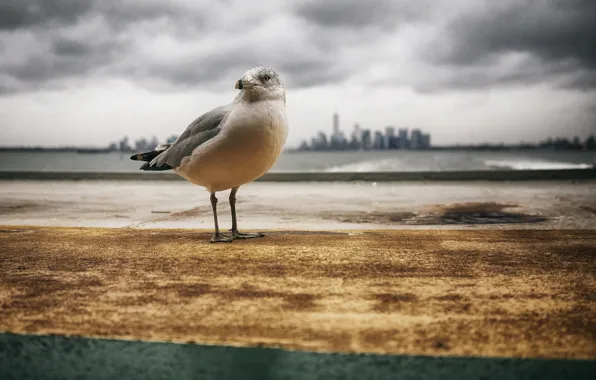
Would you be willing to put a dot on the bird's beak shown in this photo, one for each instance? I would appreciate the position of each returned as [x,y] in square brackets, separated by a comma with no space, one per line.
[242,84]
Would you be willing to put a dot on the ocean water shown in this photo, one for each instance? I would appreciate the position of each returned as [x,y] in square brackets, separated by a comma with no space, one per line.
[363,161]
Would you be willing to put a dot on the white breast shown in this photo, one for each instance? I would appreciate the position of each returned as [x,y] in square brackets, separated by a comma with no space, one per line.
[247,147]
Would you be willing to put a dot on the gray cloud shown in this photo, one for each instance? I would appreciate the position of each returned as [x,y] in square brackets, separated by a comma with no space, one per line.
[212,70]
[71,59]
[51,58]
[557,36]
[116,39]
[66,40]
[16,15]
[67,47]
[183,44]
[30,13]
[357,14]
[552,30]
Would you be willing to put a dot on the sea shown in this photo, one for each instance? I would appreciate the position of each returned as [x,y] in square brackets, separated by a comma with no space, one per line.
[344,161]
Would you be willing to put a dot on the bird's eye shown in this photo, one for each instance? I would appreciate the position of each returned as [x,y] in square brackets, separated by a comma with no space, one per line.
[266,78]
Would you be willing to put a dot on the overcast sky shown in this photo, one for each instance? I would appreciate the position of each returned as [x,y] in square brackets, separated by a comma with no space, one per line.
[82,72]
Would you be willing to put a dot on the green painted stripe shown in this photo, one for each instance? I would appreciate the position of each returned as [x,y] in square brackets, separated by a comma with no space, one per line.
[58,357]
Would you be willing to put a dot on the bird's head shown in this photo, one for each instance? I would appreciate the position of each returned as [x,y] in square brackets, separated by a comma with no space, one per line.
[259,84]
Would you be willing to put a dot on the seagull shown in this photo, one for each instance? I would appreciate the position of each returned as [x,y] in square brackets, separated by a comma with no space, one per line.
[230,145]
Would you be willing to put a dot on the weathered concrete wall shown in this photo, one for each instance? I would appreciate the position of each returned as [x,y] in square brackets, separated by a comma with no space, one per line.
[455,293]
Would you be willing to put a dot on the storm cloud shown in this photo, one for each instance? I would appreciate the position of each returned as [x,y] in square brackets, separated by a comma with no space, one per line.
[426,46]
[36,13]
[541,40]
[50,44]
[355,14]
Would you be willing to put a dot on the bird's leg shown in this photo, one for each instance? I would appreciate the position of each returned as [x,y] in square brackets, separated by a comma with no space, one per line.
[218,237]
[235,233]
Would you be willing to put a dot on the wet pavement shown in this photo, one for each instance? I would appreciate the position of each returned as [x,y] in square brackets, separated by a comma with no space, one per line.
[303,205]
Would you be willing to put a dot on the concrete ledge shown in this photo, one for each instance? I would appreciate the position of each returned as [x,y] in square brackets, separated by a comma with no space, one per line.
[488,293]
[487,175]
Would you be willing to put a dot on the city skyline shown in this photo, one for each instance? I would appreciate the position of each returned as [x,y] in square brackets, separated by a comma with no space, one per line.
[142,144]
[360,139]
[415,139]
[367,139]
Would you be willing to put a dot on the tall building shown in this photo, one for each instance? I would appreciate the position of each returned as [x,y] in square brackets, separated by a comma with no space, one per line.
[335,140]
[153,143]
[343,141]
[303,146]
[123,145]
[335,124]
[389,136]
[425,144]
[322,141]
[379,142]
[403,138]
[416,139]
[366,139]
[141,144]
[357,132]
[356,140]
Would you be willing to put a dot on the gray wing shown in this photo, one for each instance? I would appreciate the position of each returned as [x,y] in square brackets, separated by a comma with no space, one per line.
[202,129]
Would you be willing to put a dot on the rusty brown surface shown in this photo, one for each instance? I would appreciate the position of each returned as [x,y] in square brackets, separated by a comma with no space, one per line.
[508,293]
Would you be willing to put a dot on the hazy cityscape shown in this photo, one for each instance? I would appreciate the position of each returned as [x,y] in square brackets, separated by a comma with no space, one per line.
[140,145]
[390,138]
[367,139]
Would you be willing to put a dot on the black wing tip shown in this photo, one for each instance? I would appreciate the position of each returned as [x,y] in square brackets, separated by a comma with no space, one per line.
[148,156]
[147,167]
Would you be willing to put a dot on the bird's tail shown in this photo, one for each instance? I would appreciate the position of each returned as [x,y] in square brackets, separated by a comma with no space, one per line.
[149,156]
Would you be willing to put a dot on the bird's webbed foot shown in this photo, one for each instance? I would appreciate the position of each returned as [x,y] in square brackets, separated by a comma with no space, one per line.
[221,238]
[249,235]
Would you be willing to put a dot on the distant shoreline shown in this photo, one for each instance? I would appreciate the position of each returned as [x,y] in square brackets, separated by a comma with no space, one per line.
[295,150]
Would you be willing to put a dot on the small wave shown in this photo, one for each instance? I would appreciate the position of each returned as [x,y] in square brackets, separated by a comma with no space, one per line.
[533,165]
[366,166]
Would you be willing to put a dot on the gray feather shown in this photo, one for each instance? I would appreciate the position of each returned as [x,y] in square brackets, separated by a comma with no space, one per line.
[202,129]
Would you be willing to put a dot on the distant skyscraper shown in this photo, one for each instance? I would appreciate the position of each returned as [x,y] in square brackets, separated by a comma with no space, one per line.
[389,136]
[123,144]
[335,124]
[153,143]
[366,143]
[425,143]
[141,144]
[322,141]
[416,139]
[379,142]
[403,138]
[356,139]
